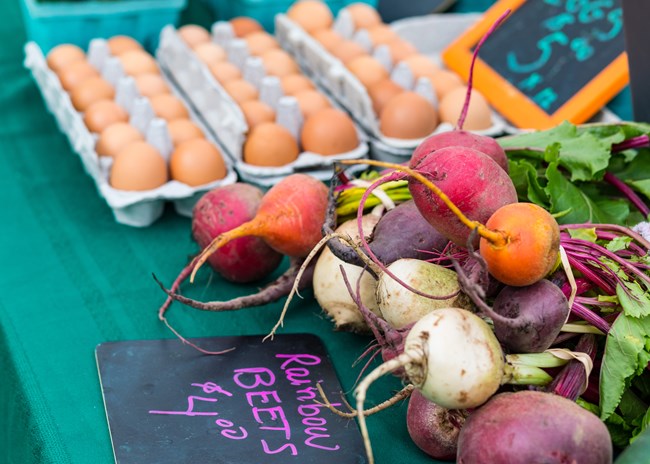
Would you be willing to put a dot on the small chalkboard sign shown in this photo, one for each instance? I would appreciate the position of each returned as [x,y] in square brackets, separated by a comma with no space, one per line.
[168,403]
[550,61]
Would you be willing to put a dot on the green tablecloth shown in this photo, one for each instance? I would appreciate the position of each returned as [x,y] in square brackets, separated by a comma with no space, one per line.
[72,278]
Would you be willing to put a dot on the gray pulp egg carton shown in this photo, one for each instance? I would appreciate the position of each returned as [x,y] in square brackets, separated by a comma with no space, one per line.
[222,115]
[331,73]
[133,208]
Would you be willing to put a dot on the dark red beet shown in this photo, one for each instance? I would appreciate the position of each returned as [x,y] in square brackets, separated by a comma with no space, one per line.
[531,316]
[244,259]
[403,233]
[461,138]
[473,181]
[432,428]
[533,427]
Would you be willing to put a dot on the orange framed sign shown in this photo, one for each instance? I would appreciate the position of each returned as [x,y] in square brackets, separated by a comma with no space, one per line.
[550,61]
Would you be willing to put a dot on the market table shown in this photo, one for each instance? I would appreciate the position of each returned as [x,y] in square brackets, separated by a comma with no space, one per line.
[73,278]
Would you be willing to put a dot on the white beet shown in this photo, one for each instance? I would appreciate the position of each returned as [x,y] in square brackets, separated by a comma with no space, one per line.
[332,295]
[330,290]
[401,307]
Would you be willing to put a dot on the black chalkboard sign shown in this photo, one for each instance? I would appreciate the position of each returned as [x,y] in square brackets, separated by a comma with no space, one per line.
[549,61]
[168,403]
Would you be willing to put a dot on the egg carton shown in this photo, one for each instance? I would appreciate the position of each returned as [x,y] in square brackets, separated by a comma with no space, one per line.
[133,208]
[333,75]
[223,116]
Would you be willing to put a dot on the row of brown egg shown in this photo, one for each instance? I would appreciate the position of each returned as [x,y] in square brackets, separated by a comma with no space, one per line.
[136,164]
[401,112]
[269,143]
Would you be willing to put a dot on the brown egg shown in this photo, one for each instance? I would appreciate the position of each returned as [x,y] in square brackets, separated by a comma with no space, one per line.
[210,53]
[257,112]
[225,71]
[168,107]
[270,144]
[135,62]
[89,91]
[62,55]
[294,83]
[368,70]
[311,101]
[279,63]
[119,44]
[382,34]
[381,92]
[181,130]
[193,34]
[421,65]
[444,81]
[197,162]
[348,50]
[363,15]
[400,50]
[101,114]
[408,116]
[138,166]
[328,38]
[151,84]
[311,15]
[260,42]
[479,115]
[241,90]
[115,137]
[243,25]
[75,73]
[329,132]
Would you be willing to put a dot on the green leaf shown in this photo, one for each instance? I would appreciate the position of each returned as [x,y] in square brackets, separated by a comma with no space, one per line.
[618,244]
[526,179]
[643,426]
[584,234]
[642,186]
[565,195]
[625,357]
[633,298]
[583,153]
[632,408]
[619,430]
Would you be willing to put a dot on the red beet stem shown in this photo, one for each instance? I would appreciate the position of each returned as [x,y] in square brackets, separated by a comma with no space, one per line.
[470,78]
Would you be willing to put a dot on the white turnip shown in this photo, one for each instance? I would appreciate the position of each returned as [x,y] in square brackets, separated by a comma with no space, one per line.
[329,286]
[401,307]
[454,359]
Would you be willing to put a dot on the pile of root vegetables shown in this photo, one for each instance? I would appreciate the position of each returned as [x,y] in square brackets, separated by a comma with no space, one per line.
[502,316]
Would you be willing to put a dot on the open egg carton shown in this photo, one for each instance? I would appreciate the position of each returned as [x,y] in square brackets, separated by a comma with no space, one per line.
[333,75]
[223,116]
[133,208]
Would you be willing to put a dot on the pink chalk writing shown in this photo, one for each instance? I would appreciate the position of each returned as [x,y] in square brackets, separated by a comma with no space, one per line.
[190,408]
[269,415]
[253,377]
[232,434]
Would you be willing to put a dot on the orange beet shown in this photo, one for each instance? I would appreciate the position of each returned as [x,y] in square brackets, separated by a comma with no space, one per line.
[532,244]
[289,219]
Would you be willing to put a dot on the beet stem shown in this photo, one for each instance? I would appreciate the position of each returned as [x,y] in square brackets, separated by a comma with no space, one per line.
[397,397]
[470,78]
[640,141]
[627,192]
[407,357]
[495,237]
[588,315]
[573,380]
[366,248]
[246,229]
